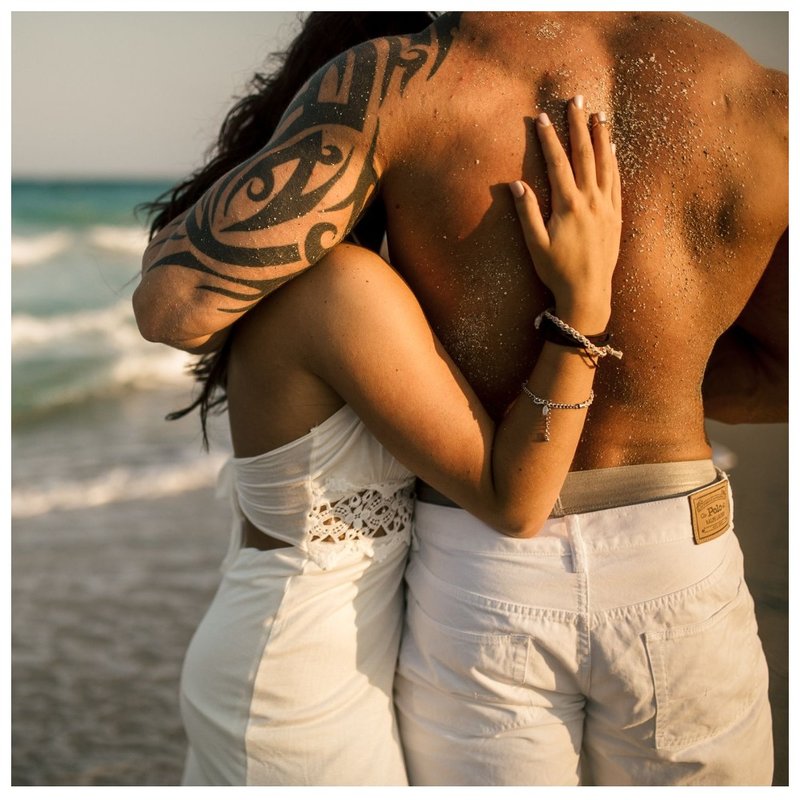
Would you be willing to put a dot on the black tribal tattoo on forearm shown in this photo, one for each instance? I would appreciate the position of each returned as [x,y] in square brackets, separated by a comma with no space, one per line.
[293,200]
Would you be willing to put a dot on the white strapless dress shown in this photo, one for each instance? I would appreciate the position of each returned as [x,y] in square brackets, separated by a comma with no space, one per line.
[288,679]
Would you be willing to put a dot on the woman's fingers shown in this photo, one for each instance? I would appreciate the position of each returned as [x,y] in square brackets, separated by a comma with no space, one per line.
[530,217]
[593,166]
[559,170]
[581,148]
[605,163]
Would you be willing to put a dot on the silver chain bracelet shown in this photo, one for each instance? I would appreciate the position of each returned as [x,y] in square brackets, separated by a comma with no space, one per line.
[548,405]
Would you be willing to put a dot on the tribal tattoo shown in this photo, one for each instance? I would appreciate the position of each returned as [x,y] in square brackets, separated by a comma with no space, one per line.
[294,200]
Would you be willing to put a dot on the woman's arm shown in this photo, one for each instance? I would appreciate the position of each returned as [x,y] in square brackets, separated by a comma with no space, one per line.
[370,341]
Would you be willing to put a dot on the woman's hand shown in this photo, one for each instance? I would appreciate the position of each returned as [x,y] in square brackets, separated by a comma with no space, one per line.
[575,251]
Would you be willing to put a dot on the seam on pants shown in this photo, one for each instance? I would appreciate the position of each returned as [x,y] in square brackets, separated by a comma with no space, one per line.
[481,601]
[656,603]
[582,600]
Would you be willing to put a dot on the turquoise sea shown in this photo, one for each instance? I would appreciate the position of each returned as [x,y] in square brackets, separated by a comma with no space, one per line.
[116,533]
[75,251]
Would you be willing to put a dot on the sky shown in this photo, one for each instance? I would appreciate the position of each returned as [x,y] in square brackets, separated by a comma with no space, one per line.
[142,94]
[129,93]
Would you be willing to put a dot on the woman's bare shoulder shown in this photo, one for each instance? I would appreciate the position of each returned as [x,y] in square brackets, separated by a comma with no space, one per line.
[347,275]
[351,280]
[347,264]
[349,292]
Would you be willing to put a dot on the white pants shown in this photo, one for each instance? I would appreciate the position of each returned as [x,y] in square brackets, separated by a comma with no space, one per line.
[609,650]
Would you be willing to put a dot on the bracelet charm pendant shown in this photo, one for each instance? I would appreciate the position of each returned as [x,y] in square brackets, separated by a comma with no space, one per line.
[548,405]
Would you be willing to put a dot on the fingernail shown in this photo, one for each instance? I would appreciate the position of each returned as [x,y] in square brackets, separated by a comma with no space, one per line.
[578,100]
[601,117]
[543,119]
[613,148]
[517,189]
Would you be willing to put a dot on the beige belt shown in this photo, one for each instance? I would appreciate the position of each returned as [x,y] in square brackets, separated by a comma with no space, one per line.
[597,489]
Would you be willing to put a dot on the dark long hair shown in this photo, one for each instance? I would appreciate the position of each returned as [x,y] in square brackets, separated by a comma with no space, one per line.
[246,129]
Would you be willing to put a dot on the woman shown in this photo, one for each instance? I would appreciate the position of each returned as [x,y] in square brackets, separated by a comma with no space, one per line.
[288,679]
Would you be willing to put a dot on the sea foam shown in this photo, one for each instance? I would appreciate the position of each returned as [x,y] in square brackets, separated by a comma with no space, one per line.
[118,238]
[27,251]
[115,486]
[30,330]
[31,250]
[86,355]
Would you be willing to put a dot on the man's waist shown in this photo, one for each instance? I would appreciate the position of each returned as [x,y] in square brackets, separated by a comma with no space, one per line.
[597,489]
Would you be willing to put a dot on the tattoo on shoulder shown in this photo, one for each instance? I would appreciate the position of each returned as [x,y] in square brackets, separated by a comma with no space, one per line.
[291,202]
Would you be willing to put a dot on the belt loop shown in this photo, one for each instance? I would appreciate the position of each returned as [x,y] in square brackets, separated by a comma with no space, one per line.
[577,544]
[558,508]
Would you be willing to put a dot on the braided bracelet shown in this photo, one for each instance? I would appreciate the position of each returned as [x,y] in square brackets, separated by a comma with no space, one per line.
[579,340]
[548,405]
[552,333]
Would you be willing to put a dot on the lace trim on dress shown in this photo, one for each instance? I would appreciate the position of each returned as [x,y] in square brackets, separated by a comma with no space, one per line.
[373,521]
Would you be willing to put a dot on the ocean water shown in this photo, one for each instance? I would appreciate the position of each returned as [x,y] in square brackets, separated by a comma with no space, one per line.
[116,533]
[75,252]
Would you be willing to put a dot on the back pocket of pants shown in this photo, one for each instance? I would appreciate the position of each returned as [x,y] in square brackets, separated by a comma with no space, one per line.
[464,663]
[707,674]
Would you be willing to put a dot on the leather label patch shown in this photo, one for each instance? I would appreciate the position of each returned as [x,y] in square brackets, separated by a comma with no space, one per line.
[711,512]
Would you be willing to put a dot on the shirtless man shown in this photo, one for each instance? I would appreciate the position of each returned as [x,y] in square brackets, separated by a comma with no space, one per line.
[435,125]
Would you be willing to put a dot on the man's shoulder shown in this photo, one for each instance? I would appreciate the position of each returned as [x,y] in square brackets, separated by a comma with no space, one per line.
[720,71]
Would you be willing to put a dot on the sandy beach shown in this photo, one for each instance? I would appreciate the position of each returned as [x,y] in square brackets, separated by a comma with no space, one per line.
[102,617]
[105,597]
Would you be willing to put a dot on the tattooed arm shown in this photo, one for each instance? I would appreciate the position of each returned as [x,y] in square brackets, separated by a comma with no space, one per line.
[282,210]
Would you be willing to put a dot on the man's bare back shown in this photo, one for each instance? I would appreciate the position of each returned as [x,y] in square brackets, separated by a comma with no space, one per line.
[439,123]
[701,141]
